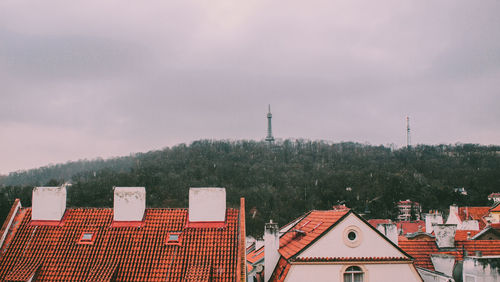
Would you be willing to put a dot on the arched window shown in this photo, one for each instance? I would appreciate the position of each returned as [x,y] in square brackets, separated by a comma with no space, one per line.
[353,274]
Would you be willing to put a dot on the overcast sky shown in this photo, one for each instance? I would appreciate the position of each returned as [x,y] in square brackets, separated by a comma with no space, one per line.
[82,79]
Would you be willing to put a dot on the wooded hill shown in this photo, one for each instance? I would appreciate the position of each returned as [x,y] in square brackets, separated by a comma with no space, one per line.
[281,181]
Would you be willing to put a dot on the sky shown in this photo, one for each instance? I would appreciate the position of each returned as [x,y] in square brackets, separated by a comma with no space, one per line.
[87,79]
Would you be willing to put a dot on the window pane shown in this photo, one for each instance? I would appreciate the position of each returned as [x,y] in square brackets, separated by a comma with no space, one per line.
[173,237]
[358,277]
[87,236]
[348,277]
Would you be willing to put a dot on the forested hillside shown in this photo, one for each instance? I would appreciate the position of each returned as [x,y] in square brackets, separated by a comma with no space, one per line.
[280,181]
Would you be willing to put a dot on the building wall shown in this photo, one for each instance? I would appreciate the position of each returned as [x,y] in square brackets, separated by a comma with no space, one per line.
[334,272]
[333,244]
[481,269]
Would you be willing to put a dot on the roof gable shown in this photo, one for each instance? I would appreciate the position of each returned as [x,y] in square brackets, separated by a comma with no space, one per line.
[334,243]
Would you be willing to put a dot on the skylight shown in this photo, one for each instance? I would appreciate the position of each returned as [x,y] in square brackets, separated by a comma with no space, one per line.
[174,238]
[87,237]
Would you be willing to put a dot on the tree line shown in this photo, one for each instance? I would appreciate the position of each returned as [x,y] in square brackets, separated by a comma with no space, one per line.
[279,181]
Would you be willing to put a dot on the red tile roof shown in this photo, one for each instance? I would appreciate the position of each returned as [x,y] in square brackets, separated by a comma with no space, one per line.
[281,270]
[375,222]
[411,226]
[255,255]
[353,259]
[495,208]
[461,235]
[421,250]
[474,213]
[307,230]
[125,253]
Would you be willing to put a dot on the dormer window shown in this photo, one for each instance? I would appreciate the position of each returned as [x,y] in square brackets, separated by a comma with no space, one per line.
[174,238]
[87,237]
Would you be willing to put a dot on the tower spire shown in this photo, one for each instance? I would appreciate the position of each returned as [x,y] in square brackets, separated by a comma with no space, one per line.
[408,136]
[269,137]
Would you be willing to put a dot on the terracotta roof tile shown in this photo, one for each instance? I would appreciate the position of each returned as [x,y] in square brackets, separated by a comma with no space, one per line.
[126,253]
[302,234]
[376,222]
[281,270]
[333,259]
[411,226]
[461,235]
[474,213]
[421,250]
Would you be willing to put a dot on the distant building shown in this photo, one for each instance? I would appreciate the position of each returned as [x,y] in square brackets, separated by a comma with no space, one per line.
[460,190]
[408,209]
[495,197]
[48,242]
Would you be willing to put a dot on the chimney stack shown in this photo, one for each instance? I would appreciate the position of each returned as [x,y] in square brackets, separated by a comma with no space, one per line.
[207,204]
[129,203]
[48,203]
[271,247]
[445,235]
[431,219]
[390,231]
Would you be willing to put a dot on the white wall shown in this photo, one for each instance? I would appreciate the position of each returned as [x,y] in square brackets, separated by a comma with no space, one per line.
[332,244]
[481,273]
[334,272]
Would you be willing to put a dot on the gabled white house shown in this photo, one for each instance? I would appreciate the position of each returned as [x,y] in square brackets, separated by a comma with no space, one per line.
[337,246]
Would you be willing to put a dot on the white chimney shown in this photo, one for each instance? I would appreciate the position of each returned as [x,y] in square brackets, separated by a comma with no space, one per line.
[48,203]
[271,247]
[443,263]
[390,231]
[129,203]
[469,225]
[445,235]
[430,219]
[207,204]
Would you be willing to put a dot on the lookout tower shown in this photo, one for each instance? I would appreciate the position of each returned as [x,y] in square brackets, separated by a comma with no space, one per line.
[269,137]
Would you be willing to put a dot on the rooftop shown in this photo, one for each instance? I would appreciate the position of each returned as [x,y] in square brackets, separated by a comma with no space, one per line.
[84,246]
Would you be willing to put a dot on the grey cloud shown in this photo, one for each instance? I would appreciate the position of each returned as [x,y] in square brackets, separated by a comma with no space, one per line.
[148,75]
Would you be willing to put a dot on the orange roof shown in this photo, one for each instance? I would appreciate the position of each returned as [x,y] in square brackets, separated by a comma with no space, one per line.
[461,235]
[255,255]
[375,222]
[474,213]
[421,250]
[496,208]
[307,230]
[126,253]
[411,226]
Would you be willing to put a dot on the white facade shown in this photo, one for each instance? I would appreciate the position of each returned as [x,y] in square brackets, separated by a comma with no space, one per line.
[207,204]
[372,272]
[48,203]
[129,203]
[333,244]
[481,269]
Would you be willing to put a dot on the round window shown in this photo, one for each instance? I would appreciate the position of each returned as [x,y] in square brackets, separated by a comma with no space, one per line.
[351,235]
